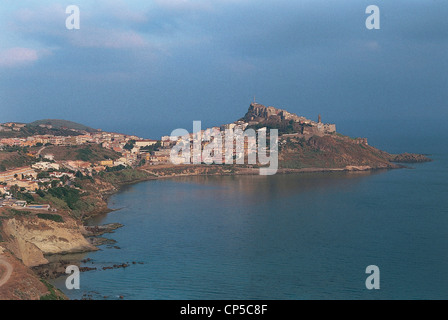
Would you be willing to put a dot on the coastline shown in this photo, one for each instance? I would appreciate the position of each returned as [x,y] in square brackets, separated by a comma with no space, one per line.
[56,268]
[105,195]
[253,171]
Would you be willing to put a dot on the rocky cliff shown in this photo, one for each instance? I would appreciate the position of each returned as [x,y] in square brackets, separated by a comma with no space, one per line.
[31,238]
[21,283]
[258,112]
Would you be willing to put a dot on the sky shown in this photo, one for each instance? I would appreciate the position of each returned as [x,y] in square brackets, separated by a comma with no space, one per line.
[149,67]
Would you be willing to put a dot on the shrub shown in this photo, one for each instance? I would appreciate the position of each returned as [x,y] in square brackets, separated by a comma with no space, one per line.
[53,292]
[52,217]
[68,195]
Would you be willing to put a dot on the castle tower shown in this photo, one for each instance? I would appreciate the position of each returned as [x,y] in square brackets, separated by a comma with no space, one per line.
[319,119]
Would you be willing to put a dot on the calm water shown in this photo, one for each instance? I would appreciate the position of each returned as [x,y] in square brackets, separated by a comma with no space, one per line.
[307,236]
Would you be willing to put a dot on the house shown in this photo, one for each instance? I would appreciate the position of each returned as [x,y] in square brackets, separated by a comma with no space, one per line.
[17,173]
[19,203]
[8,202]
[11,141]
[77,164]
[27,184]
[122,160]
[49,157]
[82,139]
[45,166]
[99,168]
[3,189]
[144,143]
[59,175]
[57,140]
[109,163]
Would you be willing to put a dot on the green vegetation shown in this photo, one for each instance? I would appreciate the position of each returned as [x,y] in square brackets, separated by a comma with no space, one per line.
[154,147]
[68,198]
[43,175]
[52,217]
[14,212]
[8,148]
[25,196]
[1,221]
[32,130]
[116,168]
[123,176]
[129,145]
[84,154]
[68,195]
[61,124]
[10,158]
[87,152]
[54,294]
[20,194]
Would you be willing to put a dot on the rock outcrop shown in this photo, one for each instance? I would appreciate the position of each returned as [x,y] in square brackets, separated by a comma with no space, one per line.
[259,112]
[409,158]
[284,121]
[23,284]
[28,252]
[31,238]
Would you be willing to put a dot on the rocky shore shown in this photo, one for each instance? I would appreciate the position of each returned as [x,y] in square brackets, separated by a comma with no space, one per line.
[410,158]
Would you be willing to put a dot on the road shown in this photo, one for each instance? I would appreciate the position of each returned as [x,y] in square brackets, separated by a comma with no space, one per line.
[40,150]
[5,276]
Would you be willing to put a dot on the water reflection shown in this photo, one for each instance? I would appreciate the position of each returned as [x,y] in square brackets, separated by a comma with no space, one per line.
[262,188]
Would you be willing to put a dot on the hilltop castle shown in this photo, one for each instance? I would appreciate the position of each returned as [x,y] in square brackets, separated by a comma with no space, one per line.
[258,114]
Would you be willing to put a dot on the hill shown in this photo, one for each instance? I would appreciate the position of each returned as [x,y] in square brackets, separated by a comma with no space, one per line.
[305,143]
[31,130]
[331,151]
[14,159]
[62,124]
[88,152]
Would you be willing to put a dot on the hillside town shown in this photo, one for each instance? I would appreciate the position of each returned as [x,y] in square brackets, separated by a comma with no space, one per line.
[48,170]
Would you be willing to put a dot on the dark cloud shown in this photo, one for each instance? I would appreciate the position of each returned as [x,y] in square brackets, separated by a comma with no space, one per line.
[138,66]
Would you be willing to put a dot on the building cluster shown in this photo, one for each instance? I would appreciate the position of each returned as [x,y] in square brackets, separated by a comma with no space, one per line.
[131,147]
[47,172]
[111,140]
[229,143]
[24,179]
[258,119]
[135,150]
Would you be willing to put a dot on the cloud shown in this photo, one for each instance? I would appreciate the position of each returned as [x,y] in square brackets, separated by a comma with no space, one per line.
[105,38]
[120,11]
[110,28]
[14,57]
[183,5]
[39,19]
[372,45]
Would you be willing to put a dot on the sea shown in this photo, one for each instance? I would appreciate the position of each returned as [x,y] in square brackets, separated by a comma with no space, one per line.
[282,237]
